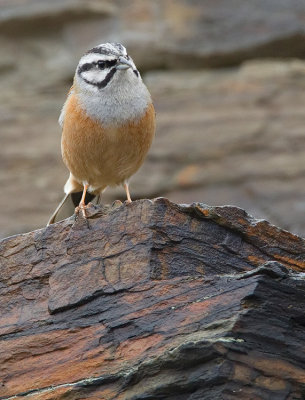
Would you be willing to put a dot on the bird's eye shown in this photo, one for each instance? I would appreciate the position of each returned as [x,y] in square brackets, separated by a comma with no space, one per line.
[101,64]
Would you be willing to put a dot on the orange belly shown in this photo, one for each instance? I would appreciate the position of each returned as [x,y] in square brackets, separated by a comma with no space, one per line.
[104,156]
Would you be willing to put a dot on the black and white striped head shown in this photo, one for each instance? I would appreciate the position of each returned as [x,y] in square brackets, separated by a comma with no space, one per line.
[103,65]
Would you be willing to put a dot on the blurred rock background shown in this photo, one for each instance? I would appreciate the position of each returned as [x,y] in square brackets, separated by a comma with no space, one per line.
[228,82]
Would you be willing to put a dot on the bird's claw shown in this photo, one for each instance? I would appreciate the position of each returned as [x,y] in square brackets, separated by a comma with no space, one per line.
[82,208]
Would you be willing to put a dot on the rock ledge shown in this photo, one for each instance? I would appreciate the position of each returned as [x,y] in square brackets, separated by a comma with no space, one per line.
[153,300]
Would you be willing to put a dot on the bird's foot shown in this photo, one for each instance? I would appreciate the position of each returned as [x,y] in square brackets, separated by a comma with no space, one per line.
[82,208]
[81,218]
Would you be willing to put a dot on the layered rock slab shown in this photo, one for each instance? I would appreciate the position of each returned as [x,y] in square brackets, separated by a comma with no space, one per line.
[180,34]
[153,300]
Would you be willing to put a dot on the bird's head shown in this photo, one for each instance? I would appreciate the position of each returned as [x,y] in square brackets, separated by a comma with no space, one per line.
[105,64]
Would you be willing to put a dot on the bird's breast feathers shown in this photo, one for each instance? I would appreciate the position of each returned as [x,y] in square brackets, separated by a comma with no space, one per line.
[102,153]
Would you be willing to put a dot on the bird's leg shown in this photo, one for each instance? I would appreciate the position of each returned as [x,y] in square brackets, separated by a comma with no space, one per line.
[127,192]
[82,204]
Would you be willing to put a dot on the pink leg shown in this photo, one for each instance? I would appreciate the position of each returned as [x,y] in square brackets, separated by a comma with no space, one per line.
[82,204]
[127,193]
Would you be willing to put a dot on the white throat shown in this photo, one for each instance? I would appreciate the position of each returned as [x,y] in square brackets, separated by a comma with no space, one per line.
[124,99]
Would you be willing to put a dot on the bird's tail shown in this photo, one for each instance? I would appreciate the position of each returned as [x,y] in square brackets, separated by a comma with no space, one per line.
[59,207]
[67,206]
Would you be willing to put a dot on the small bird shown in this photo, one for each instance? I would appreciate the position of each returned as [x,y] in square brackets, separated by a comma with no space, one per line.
[108,124]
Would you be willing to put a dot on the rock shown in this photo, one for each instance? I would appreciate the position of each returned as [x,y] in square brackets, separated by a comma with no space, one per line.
[153,300]
[50,37]
[23,15]
[231,137]
[180,34]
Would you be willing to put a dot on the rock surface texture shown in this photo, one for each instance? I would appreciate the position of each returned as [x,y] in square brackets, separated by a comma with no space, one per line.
[153,300]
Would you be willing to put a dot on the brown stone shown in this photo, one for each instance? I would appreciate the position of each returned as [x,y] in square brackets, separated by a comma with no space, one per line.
[172,34]
[153,300]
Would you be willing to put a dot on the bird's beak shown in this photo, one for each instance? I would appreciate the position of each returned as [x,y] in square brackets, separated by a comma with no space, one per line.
[124,64]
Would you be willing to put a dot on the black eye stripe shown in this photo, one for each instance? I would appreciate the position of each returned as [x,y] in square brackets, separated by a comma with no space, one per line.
[89,66]
[101,64]
[110,63]
[85,67]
